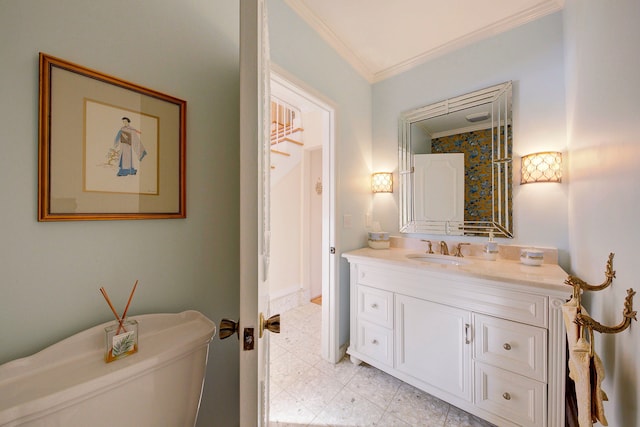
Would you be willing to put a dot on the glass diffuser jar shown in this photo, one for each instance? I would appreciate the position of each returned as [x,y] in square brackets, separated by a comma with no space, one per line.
[121,340]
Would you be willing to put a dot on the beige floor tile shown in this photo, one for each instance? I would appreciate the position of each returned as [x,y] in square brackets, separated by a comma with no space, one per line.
[389,420]
[377,386]
[342,371]
[287,370]
[459,418]
[315,389]
[417,407]
[349,408]
[287,410]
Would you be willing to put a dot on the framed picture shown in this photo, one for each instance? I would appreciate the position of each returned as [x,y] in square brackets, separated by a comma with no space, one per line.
[108,149]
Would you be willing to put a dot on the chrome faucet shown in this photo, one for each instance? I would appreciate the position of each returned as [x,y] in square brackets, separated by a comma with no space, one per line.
[458,251]
[444,249]
[429,248]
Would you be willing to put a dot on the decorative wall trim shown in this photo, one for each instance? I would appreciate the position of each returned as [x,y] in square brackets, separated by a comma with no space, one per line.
[545,7]
[331,38]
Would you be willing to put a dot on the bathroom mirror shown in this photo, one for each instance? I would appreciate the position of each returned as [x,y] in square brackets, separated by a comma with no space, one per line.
[455,175]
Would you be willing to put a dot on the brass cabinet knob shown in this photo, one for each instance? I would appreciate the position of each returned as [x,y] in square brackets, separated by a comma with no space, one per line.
[271,324]
[506,396]
[507,346]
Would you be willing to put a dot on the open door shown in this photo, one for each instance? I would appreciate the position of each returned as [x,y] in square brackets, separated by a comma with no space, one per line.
[254,215]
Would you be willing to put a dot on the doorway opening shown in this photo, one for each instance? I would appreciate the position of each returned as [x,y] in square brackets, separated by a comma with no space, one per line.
[302,266]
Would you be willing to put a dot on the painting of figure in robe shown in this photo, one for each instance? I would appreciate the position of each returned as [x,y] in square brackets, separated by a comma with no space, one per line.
[121,150]
[128,143]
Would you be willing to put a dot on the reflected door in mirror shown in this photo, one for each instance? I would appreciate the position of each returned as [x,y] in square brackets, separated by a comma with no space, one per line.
[439,189]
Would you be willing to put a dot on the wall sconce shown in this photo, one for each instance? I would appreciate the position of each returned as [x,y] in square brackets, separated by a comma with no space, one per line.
[382,182]
[542,167]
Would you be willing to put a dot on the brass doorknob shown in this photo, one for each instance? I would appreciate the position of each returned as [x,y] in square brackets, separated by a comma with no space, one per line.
[229,327]
[272,324]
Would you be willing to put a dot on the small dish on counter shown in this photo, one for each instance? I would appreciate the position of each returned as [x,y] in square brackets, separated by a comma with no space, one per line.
[379,240]
[379,244]
[531,256]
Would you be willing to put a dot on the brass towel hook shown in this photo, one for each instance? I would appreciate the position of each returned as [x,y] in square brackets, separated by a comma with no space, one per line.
[627,314]
[583,320]
[578,283]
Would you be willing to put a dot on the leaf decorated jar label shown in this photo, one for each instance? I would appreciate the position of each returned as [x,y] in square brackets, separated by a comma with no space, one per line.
[121,340]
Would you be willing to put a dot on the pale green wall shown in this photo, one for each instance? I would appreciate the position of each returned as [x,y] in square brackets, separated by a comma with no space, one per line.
[603,113]
[531,56]
[50,272]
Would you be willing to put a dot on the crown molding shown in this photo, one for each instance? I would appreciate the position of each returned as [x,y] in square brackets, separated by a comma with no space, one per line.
[331,38]
[543,8]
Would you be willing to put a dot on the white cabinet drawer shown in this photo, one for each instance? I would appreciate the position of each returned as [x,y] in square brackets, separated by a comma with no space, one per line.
[516,398]
[375,341]
[491,298]
[510,345]
[375,305]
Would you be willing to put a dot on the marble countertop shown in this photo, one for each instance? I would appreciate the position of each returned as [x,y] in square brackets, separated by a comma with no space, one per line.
[547,276]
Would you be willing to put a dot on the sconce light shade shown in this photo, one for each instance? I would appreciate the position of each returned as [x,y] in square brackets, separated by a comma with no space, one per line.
[542,167]
[382,182]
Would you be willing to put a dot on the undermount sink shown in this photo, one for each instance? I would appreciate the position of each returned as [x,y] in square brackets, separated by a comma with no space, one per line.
[439,259]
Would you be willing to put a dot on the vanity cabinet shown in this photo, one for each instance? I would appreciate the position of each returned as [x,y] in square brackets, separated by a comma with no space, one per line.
[490,346]
[432,344]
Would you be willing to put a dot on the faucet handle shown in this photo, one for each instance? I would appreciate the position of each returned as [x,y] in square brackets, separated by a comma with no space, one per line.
[458,251]
[430,247]
[444,248]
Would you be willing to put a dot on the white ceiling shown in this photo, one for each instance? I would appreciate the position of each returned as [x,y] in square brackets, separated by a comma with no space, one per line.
[382,38]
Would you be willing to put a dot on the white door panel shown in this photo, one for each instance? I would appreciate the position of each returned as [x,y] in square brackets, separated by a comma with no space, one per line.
[439,187]
[254,212]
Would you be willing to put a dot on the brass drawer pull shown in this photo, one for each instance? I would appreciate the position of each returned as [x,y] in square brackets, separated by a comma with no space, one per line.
[506,396]
[507,346]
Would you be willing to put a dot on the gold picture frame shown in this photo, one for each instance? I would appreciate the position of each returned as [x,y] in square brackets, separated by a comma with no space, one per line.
[108,149]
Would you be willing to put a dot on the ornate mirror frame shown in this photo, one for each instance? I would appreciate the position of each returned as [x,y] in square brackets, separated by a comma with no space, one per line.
[498,101]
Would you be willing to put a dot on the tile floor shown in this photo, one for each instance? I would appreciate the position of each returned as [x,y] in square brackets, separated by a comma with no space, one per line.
[307,391]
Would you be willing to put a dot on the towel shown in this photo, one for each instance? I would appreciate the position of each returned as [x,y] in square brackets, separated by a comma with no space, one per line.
[585,368]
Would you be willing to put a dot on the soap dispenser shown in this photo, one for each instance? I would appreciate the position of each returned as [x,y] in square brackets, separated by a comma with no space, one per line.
[491,248]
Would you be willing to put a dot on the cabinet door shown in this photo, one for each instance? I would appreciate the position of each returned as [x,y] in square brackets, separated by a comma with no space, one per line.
[433,344]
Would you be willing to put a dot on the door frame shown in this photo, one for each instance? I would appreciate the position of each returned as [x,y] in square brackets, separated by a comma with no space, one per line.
[330,339]
[254,89]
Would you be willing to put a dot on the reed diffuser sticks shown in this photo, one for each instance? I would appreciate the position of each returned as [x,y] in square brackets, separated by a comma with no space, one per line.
[120,320]
[106,297]
[124,313]
[121,339]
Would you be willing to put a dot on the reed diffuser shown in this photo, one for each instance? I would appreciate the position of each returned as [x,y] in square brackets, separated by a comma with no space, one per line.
[121,338]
